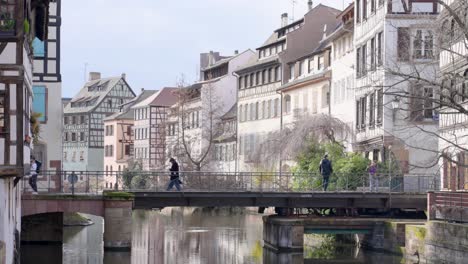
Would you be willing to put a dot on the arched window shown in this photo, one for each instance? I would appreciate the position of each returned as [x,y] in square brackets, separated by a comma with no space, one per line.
[287,104]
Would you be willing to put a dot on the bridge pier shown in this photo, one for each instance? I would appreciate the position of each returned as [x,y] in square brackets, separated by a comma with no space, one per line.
[118,224]
[283,234]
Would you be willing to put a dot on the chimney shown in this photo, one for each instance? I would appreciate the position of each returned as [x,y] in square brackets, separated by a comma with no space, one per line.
[310,5]
[124,76]
[211,58]
[94,76]
[284,19]
[236,52]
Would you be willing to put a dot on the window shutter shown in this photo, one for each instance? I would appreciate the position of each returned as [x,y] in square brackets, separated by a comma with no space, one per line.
[403,43]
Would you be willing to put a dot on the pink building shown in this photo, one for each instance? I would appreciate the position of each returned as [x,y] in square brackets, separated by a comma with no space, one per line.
[119,140]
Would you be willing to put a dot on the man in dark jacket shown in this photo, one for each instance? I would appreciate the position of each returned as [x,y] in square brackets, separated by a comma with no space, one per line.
[325,169]
[174,175]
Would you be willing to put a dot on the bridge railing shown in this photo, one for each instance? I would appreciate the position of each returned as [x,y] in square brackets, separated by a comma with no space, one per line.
[97,181]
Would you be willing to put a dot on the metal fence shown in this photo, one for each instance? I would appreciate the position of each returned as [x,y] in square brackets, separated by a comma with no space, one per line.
[97,181]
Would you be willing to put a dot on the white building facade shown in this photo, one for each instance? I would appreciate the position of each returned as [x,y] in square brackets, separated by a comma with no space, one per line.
[392,40]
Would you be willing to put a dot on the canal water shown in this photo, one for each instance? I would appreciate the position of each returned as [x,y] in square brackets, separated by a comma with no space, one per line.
[194,235]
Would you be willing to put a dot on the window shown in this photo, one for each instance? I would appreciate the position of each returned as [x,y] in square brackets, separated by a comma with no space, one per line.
[302,68]
[320,63]
[291,71]
[358,10]
[246,81]
[38,47]
[241,83]
[82,136]
[364,59]
[372,5]
[66,137]
[7,17]
[251,79]
[109,102]
[379,106]
[423,44]
[373,54]
[263,110]
[268,111]
[271,75]
[358,62]
[65,156]
[256,111]
[257,78]
[277,74]
[73,120]
[276,108]
[311,65]
[364,9]
[65,120]
[40,102]
[127,150]
[287,104]
[73,136]
[403,43]
[81,155]
[245,112]
[241,116]
[264,79]
[252,111]
[421,102]
[82,120]
[371,110]
[3,110]
[379,49]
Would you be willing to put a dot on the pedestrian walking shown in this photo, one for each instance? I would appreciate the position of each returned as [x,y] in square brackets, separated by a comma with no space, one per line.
[373,179]
[326,169]
[34,171]
[174,175]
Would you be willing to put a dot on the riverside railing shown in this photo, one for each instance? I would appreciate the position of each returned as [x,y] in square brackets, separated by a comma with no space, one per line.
[94,182]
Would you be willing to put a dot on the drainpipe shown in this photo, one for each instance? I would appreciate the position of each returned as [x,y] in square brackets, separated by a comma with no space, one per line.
[281,128]
[236,160]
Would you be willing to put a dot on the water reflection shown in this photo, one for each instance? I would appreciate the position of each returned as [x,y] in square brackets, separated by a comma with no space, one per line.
[195,235]
[185,235]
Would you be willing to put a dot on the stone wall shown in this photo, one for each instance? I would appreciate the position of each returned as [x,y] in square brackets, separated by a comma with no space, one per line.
[446,242]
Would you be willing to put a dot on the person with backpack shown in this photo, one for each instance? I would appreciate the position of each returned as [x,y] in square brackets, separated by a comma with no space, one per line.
[174,175]
[35,167]
[326,169]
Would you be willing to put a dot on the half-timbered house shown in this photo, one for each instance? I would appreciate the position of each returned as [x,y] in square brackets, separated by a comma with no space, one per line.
[20,23]
[150,117]
[83,133]
[47,91]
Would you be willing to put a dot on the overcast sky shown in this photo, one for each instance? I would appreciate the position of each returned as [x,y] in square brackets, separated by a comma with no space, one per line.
[155,41]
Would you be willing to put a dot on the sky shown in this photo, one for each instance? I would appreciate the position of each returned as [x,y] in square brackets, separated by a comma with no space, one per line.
[154,42]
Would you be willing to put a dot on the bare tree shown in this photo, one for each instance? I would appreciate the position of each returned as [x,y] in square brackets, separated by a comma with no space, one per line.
[287,143]
[428,79]
[198,113]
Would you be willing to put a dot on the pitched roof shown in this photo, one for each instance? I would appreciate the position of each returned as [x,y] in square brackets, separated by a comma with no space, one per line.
[165,97]
[86,94]
[127,111]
